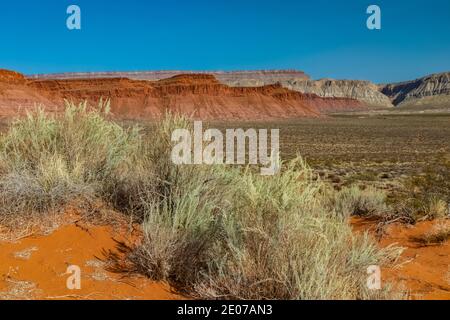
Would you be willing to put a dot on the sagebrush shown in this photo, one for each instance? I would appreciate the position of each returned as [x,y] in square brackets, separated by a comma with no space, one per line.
[210,231]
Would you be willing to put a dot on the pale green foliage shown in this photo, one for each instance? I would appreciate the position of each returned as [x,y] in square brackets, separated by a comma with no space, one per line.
[47,160]
[437,209]
[356,201]
[222,232]
[211,231]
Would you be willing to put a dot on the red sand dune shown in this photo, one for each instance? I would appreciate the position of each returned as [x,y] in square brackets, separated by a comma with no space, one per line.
[199,95]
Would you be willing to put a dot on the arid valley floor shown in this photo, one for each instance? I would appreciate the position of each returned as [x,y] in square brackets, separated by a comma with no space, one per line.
[384,151]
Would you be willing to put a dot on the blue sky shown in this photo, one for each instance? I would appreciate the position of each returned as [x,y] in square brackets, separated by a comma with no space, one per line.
[322,38]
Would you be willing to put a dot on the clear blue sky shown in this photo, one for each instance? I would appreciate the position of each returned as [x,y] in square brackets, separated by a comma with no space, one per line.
[323,38]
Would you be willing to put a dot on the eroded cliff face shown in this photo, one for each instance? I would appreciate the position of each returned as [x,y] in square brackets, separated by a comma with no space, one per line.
[12,77]
[428,92]
[363,91]
[16,96]
[432,91]
[197,95]
[261,77]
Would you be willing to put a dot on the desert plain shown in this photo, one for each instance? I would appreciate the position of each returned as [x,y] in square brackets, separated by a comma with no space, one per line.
[379,173]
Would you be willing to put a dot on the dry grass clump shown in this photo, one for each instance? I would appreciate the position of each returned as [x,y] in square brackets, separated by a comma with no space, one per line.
[47,161]
[437,209]
[411,209]
[354,201]
[150,173]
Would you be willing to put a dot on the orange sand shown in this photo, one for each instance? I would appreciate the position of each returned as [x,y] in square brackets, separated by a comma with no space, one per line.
[35,268]
[423,270]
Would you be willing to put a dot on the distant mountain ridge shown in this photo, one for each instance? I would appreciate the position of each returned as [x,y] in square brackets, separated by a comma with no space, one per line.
[364,91]
[226,77]
[432,90]
[198,95]
[428,92]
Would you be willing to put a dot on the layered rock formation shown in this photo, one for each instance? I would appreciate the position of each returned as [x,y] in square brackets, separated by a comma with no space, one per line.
[363,91]
[199,95]
[430,91]
[258,77]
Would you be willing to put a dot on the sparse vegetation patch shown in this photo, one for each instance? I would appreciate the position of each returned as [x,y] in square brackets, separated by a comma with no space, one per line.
[210,231]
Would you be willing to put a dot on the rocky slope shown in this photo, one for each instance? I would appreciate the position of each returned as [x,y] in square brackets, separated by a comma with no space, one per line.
[199,95]
[260,77]
[363,91]
[429,91]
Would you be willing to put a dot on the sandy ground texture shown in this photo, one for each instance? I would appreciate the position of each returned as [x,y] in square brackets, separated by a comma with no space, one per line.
[35,267]
[423,269]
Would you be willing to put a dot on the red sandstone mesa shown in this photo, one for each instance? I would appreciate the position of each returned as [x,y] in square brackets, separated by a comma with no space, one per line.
[197,95]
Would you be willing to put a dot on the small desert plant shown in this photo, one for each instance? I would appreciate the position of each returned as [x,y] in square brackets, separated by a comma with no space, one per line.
[419,207]
[359,202]
[437,209]
[428,194]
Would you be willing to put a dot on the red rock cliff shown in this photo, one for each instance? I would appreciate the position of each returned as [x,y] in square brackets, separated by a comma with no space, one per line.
[198,95]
